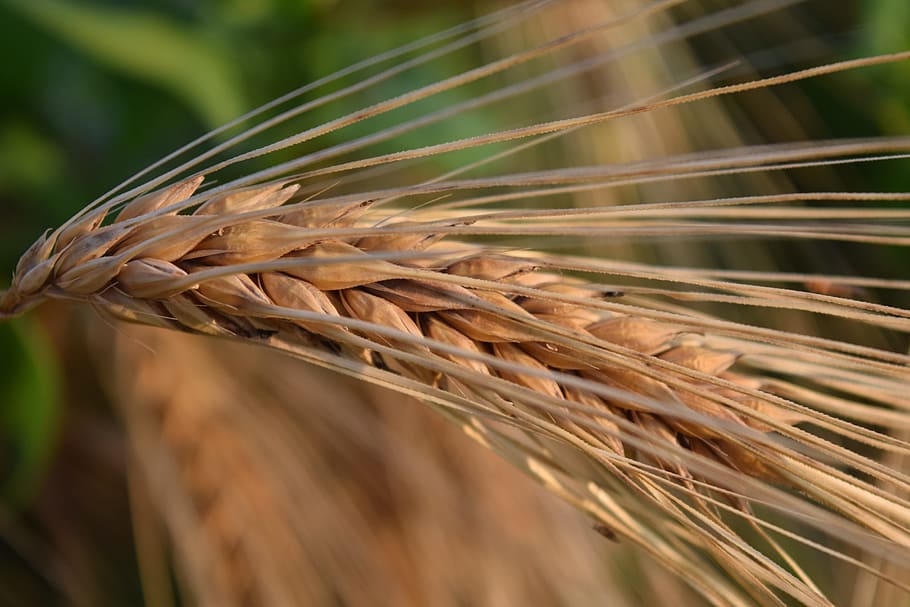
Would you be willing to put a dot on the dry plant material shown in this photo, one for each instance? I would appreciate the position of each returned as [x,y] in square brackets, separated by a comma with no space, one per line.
[272,508]
[663,423]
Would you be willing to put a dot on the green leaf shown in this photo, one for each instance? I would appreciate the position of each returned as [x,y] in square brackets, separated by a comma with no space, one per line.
[26,157]
[888,25]
[29,408]
[150,47]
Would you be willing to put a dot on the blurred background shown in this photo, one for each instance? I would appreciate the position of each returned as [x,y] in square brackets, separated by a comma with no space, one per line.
[352,503]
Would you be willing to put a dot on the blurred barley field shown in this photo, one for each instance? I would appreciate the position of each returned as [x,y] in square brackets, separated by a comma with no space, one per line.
[140,467]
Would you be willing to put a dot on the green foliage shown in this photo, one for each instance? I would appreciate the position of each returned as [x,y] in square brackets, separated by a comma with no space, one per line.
[29,408]
[149,46]
[888,31]
[26,157]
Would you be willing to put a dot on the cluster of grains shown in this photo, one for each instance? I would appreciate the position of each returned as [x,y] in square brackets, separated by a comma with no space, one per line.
[213,271]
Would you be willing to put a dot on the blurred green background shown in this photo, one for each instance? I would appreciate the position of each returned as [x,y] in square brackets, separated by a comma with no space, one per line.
[90,92]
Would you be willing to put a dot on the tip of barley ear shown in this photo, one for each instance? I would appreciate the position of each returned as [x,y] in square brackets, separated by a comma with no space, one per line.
[5,312]
[10,305]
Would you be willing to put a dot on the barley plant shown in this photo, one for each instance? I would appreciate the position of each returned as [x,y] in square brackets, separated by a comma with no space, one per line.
[614,252]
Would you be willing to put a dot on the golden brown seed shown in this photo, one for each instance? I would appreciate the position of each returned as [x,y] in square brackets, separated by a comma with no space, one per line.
[422,295]
[80,228]
[195,317]
[405,241]
[173,235]
[491,267]
[40,251]
[739,458]
[489,326]
[234,293]
[609,439]
[377,310]
[296,294]
[335,265]
[562,286]
[691,399]
[149,203]
[547,386]
[759,404]
[252,199]
[440,331]
[561,313]
[36,277]
[660,432]
[705,360]
[89,277]
[249,242]
[317,214]
[557,356]
[574,318]
[129,309]
[639,334]
[149,278]
[634,383]
[91,246]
